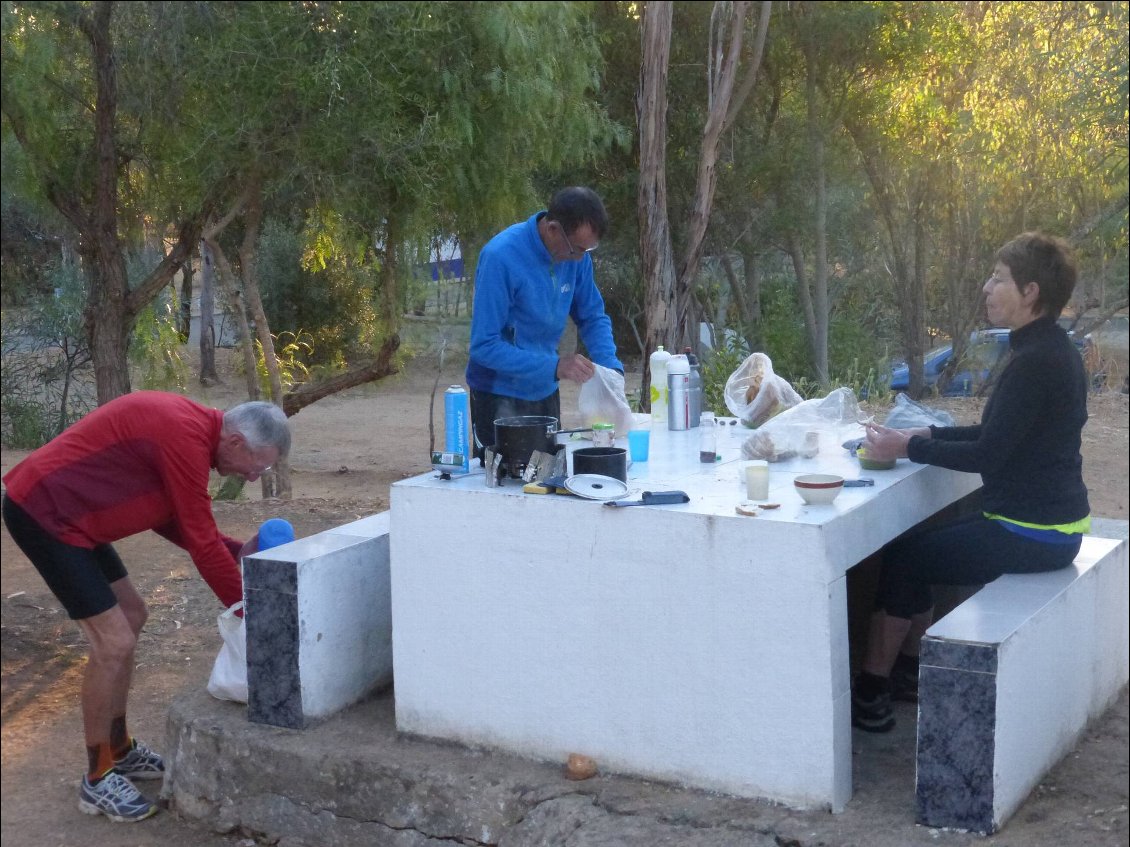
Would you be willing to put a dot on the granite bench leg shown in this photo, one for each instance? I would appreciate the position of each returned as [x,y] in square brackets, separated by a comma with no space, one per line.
[319,623]
[1010,679]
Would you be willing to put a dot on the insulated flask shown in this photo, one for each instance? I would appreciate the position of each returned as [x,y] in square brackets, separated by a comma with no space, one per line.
[695,385]
[457,426]
[679,393]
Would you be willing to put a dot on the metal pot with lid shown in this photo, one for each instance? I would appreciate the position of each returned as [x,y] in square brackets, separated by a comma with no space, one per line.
[516,438]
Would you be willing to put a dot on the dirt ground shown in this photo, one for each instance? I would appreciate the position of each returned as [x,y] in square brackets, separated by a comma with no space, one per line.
[348,450]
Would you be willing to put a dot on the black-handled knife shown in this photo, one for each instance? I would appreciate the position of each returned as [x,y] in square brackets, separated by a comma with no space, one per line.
[858,483]
[653,498]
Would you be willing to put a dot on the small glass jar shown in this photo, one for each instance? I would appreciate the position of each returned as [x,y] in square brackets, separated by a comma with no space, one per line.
[603,434]
[707,439]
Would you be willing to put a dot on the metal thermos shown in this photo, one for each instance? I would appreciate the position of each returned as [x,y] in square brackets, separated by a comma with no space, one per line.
[457,427]
[695,385]
[679,394]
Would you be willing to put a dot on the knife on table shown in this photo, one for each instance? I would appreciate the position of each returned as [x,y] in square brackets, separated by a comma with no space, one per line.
[652,498]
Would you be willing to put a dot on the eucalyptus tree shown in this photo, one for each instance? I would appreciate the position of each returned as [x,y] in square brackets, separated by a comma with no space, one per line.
[670,280]
[71,99]
[978,121]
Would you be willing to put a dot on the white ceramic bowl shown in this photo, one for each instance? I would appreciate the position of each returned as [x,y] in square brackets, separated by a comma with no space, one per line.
[819,489]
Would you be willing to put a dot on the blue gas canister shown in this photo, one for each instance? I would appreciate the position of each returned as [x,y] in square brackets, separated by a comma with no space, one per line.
[457,429]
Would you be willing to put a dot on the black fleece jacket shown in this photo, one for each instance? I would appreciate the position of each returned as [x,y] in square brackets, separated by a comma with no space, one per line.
[1026,447]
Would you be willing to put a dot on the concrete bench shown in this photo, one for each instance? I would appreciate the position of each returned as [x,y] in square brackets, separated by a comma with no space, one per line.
[1011,678]
[319,623]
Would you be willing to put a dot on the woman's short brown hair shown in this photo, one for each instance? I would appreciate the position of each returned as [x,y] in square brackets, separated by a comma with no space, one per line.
[1045,260]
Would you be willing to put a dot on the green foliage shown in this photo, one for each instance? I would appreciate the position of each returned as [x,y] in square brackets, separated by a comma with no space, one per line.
[292,351]
[154,349]
[313,287]
[716,369]
[228,488]
[45,379]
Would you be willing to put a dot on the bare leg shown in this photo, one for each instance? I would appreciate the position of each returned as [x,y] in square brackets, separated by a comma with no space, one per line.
[133,607]
[912,646]
[885,637]
[105,685]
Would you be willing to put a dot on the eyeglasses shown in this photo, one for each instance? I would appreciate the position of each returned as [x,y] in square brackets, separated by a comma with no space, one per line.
[255,469]
[573,251]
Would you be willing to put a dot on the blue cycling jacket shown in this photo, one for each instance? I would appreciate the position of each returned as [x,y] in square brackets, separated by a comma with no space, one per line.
[522,299]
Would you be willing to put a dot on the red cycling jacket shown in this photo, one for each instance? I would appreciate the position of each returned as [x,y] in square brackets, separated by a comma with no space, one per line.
[139,462]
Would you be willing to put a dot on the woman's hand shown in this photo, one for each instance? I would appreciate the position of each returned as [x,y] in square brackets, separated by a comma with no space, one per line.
[884,443]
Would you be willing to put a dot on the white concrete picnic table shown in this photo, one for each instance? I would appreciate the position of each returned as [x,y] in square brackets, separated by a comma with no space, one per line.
[684,643]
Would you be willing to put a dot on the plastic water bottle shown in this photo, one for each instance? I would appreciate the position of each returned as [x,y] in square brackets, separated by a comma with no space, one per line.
[678,393]
[658,362]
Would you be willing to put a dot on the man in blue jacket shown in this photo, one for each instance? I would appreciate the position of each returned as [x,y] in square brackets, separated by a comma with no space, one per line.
[530,278]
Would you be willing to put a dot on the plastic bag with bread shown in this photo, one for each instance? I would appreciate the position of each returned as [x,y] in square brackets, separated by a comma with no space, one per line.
[754,393]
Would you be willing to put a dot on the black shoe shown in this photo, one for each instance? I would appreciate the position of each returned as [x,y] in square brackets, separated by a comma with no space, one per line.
[904,685]
[871,710]
[904,679]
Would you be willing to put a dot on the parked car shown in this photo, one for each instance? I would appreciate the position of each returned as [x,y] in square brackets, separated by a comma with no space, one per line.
[1107,353]
[986,346]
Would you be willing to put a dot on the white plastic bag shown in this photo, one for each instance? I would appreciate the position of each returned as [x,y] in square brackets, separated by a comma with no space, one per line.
[806,429]
[754,393]
[229,673]
[908,414]
[602,399]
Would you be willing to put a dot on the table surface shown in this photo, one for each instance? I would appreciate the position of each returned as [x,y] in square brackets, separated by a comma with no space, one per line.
[718,488]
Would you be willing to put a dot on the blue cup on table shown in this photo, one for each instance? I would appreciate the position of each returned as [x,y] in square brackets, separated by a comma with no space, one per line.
[639,442]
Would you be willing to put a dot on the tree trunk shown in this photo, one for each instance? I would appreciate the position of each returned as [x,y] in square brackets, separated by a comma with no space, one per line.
[184,315]
[226,278]
[277,482]
[390,288]
[737,290]
[722,89]
[208,374]
[909,302]
[657,260]
[107,318]
[310,392]
[818,329]
[751,271]
[803,291]
[669,285]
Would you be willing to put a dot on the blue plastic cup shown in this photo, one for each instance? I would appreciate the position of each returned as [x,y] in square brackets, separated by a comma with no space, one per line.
[639,440]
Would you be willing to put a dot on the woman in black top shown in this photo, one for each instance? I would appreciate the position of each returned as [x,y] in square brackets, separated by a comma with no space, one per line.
[1026,449]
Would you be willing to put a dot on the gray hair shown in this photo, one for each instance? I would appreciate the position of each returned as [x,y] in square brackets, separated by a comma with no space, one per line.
[262,424]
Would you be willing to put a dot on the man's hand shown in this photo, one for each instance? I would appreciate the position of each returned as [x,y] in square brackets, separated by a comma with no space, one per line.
[575,368]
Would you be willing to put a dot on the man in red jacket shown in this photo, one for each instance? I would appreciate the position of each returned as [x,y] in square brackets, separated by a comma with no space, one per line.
[141,461]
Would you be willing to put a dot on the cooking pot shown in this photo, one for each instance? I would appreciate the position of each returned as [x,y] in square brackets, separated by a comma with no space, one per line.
[516,438]
[606,461]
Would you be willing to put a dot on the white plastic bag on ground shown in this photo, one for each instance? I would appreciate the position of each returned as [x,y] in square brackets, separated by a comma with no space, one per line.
[229,673]
[602,400]
[806,429]
[754,394]
[908,414]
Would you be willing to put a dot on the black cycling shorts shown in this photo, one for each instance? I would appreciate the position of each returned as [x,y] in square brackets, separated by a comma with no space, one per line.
[79,577]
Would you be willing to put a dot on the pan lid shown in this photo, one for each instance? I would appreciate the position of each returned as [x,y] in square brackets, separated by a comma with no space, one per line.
[594,486]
